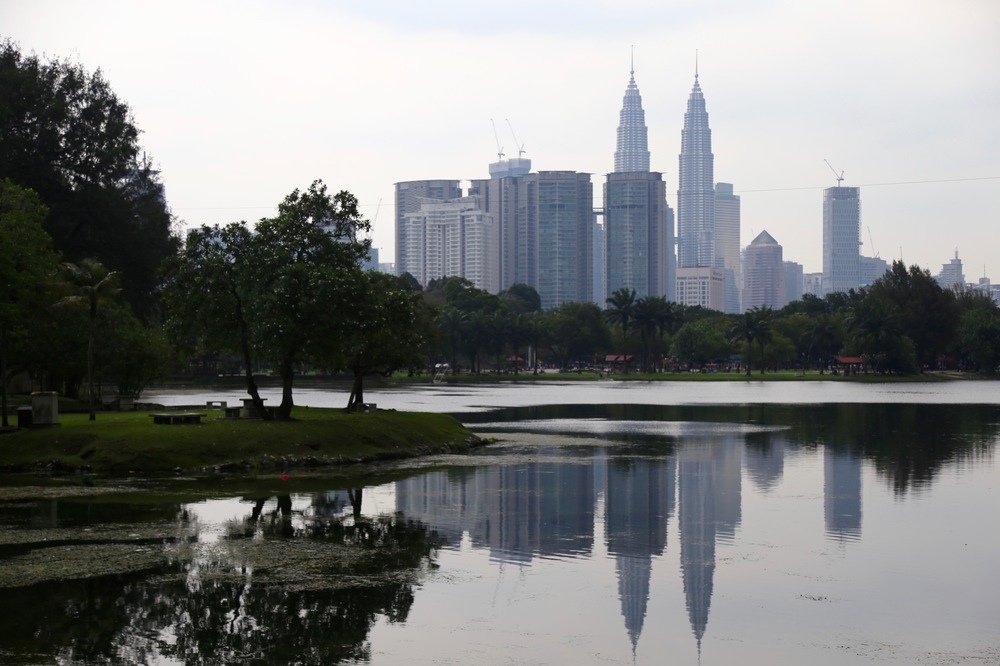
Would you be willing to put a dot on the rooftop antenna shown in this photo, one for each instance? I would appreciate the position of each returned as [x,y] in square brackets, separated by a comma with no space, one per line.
[497,137]
[631,66]
[840,176]
[520,146]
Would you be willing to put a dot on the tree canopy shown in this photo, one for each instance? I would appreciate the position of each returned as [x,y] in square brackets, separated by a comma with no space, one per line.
[67,136]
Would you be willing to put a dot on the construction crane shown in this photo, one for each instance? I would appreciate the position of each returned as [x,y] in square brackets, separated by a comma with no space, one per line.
[840,176]
[520,146]
[872,241]
[497,137]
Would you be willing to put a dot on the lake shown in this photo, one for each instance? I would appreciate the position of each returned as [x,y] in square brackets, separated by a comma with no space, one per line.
[611,523]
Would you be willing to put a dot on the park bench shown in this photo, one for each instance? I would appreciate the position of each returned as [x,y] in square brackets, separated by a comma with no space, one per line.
[216,404]
[176,418]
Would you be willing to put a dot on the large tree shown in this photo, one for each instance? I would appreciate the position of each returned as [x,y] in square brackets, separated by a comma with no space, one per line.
[275,293]
[67,136]
[27,264]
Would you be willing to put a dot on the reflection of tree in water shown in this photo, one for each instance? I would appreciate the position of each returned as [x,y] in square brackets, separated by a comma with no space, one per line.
[297,595]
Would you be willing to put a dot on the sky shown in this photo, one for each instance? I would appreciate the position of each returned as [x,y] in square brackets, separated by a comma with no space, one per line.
[240,103]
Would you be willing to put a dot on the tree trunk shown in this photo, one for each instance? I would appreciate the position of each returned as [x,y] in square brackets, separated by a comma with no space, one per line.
[287,373]
[90,365]
[357,391]
[3,377]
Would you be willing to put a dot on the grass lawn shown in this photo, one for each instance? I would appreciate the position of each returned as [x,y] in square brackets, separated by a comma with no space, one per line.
[129,442]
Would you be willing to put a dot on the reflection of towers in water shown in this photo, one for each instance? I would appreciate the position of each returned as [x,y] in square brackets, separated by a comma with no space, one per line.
[638,499]
[514,510]
[765,458]
[709,485]
[842,494]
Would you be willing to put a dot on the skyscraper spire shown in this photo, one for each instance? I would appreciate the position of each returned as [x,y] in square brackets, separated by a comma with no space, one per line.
[696,192]
[632,153]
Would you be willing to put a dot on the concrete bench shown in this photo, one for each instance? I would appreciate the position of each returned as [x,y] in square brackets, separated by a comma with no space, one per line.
[176,418]
[216,404]
[232,412]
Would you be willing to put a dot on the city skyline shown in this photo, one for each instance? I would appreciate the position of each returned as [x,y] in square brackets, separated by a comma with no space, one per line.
[251,101]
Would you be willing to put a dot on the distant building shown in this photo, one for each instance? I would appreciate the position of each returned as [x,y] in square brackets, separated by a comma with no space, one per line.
[764,280]
[559,209]
[812,283]
[951,274]
[701,286]
[409,197]
[600,283]
[991,290]
[727,243]
[872,268]
[793,282]
[841,239]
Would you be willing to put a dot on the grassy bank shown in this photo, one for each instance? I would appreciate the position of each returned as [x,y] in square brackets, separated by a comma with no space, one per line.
[129,442]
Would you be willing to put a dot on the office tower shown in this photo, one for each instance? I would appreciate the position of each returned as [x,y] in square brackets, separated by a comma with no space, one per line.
[451,238]
[951,274]
[500,194]
[841,239]
[409,196]
[764,280]
[696,193]
[635,223]
[727,243]
[636,215]
[793,282]
[872,268]
[555,236]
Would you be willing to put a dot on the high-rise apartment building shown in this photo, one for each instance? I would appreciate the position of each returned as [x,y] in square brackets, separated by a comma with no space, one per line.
[951,274]
[841,239]
[696,191]
[764,279]
[409,197]
[701,286]
[638,223]
[727,243]
[451,238]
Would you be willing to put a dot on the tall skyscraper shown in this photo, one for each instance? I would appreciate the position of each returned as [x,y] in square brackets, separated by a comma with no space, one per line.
[638,241]
[557,226]
[632,152]
[727,243]
[409,196]
[696,192]
[764,281]
[793,281]
[841,239]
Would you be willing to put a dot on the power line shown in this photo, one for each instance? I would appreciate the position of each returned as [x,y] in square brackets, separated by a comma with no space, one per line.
[902,182]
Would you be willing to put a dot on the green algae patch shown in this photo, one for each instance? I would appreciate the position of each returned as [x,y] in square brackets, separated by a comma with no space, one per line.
[130,443]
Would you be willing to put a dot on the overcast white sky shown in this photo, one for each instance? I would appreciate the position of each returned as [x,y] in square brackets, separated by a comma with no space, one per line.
[242,102]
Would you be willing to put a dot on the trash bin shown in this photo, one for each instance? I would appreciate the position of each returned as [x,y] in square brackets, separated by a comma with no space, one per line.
[24,416]
[45,408]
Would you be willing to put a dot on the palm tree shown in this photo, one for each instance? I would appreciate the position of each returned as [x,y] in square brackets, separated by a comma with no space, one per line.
[821,332]
[762,323]
[652,315]
[621,308]
[93,284]
[453,323]
[744,330]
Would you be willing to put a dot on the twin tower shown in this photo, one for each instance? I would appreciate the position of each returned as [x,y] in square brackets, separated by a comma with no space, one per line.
[541,228]
[638,222]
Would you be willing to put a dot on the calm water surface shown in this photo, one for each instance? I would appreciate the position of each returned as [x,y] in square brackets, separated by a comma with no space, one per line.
[767,526]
